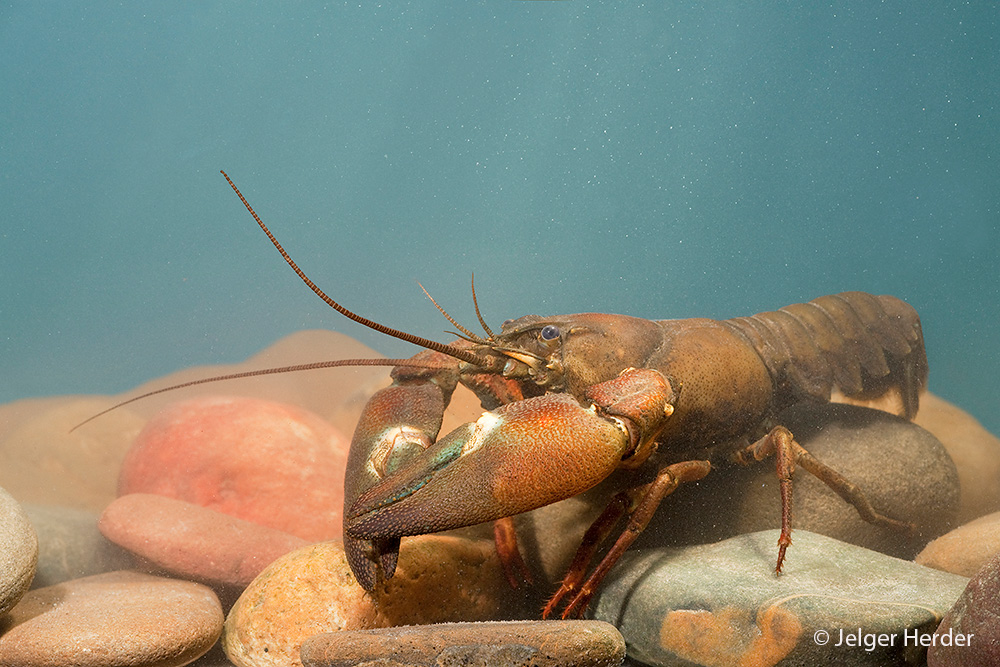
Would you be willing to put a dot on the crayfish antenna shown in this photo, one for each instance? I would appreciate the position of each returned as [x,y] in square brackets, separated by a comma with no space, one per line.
[475,303]
[452,351]
[263,371]
[468,334]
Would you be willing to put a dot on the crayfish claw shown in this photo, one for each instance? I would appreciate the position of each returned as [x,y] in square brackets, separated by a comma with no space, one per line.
[371,561]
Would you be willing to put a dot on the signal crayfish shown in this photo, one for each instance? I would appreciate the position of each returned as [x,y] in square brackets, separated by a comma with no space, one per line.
[571,399]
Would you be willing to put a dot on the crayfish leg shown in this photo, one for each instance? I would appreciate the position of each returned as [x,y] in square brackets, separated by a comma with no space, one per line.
[787,452]
[780,443]
[849,492]
[505,537]
[640,504]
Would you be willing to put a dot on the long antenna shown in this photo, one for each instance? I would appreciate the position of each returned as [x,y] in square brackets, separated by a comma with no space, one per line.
[261,371]
[451,351]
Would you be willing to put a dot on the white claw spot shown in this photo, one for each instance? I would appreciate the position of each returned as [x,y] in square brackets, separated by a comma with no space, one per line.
[480,430]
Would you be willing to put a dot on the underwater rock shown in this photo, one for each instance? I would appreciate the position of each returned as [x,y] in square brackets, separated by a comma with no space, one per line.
[975,451]
[966,549]
[192,541]
[44,462]
[116,618]
[500,644]
[312,591]
[70,546]
[722,604]
[903,470]
[274,464]
[18,552]
[969,635]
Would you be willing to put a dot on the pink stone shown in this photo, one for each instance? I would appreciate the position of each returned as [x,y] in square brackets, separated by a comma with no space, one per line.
[966,549]
[194,542]
[270,463]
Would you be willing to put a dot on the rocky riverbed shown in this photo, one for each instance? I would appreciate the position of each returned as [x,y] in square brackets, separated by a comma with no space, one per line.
[203,527]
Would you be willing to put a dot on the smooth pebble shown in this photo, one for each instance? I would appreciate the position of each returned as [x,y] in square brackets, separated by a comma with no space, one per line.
[194,542]
[975,451]
[18,552]
[116,618]
[310,591]
[71,547]
[969,635]
[271,463]
[500,644]
[965,550]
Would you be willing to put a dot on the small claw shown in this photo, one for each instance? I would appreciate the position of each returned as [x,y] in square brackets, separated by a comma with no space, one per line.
[577,606]
[783,543]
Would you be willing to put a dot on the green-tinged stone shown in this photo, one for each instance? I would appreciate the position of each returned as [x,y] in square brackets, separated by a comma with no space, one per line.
[722,603]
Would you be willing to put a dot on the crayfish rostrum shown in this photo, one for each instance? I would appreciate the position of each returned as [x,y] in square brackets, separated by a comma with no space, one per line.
[570,399]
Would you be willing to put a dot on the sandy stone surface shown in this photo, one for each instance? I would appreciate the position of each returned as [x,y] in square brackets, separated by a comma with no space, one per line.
[310,591]
[501,644]
[966,549]
[975,451]
[117,618]
[719,604]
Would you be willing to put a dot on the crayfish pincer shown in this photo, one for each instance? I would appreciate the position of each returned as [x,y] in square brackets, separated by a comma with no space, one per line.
[570,399]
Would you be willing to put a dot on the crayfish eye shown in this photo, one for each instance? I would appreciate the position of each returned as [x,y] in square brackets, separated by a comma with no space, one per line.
[549,332]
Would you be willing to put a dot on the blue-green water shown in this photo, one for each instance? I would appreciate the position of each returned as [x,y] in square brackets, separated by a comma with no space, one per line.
[664,160]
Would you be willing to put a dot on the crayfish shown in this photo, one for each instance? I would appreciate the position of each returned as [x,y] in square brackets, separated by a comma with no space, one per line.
[570,399]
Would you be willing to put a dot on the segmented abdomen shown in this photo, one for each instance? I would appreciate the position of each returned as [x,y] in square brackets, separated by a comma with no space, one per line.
[864,345]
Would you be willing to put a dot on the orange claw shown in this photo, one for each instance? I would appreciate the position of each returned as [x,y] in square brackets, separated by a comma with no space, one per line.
[522,456]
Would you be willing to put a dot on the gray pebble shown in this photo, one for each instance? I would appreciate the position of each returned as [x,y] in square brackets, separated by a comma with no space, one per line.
[903,470]
[70,546]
